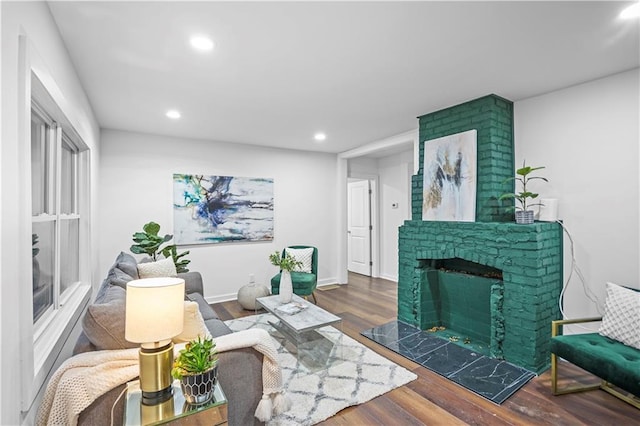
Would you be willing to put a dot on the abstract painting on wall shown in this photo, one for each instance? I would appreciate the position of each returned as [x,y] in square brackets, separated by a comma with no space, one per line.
[450,178]
[214,209]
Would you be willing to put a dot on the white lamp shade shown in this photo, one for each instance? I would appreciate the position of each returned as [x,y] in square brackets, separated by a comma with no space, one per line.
[154,309]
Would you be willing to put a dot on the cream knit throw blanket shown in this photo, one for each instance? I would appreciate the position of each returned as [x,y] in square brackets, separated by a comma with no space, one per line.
[83,378]
[80,380]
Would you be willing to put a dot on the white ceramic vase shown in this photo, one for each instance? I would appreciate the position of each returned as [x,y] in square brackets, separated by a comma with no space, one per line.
[286,287]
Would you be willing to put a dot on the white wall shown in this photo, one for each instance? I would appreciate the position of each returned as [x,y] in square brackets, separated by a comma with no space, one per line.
[587,137]
[136,187]
[395,186]
[33,20]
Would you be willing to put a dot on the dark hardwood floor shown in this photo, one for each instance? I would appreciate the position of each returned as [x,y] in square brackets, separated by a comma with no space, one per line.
[433,400]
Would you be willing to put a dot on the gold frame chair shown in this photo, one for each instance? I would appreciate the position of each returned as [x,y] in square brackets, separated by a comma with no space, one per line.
[604,385]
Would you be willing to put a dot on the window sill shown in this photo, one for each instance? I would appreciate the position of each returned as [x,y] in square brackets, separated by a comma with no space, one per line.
[50,341]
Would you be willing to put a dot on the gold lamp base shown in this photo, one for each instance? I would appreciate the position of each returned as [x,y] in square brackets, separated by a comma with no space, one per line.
[155,372]
[150,414]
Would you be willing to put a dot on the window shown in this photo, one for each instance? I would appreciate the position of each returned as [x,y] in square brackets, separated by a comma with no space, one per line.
[55,218]
[60,271]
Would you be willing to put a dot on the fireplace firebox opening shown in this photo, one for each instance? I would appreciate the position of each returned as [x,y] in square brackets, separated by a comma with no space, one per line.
[465,299]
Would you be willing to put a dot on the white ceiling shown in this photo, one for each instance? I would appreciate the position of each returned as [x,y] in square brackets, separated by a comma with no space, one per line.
[358,71]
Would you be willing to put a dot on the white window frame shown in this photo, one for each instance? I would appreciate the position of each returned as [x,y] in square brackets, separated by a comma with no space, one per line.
[41,343]
[57,137]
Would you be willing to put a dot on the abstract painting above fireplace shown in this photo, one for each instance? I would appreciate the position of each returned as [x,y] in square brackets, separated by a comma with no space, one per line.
[450,178]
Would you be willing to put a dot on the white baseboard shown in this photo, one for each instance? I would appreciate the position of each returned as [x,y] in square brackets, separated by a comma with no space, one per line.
[221,298]
[234,296]
[393,278]
[327,281]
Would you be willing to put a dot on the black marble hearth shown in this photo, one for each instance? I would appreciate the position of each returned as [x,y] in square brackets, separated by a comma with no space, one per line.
[491,378]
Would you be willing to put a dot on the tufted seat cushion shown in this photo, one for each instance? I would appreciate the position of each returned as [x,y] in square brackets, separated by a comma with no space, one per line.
[303,283]
[606,358]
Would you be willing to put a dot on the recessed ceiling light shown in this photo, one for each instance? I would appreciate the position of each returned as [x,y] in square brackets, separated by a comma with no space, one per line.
[200,42]
[174,114]
[319,136]
[631,12]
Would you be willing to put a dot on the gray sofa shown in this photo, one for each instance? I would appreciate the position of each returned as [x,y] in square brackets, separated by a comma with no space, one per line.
[239,371]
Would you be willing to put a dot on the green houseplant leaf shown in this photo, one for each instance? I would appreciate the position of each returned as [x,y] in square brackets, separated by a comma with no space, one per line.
[524,196]
[148,242]
[181,264]
[197,357]
[285,263]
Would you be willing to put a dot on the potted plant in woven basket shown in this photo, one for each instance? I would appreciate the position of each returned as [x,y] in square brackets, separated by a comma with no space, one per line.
[197,369]
[523,214]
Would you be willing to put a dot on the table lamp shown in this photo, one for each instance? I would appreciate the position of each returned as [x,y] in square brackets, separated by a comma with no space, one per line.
[154,314]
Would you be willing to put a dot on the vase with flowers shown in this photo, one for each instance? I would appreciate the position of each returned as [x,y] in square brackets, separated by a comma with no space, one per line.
[286,263]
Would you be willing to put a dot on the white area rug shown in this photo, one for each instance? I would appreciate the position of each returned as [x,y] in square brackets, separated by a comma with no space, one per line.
[355,374]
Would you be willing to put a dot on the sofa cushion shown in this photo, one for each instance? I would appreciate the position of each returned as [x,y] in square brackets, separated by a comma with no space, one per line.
[205,309]
[104,323]
[192,282]
[194,325]
[124,269]
[158,269]
[217,328]
[621,320]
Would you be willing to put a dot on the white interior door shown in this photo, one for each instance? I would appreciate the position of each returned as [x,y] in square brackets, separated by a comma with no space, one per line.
[359,227]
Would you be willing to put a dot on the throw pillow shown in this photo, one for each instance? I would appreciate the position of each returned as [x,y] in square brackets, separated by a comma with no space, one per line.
[104,323]
[301,255]
[621,320]
[121,272]
[161,268]
[194,325]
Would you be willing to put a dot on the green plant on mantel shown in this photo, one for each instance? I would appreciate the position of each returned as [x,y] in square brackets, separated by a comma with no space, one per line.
[286,262]
[148,242]
[524,177]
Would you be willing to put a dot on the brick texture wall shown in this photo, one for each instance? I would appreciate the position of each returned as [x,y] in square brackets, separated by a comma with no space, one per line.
[492,117]
[530,256]
[531,263]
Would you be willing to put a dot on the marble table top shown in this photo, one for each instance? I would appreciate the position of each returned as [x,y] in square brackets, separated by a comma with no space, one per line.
[310,317]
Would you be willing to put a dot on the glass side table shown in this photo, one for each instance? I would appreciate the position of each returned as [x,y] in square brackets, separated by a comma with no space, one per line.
[175,410]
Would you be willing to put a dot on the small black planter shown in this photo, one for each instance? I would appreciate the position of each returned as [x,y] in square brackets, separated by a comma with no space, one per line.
[198,388]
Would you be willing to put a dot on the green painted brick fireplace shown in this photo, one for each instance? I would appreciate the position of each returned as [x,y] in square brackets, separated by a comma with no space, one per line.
[525,301]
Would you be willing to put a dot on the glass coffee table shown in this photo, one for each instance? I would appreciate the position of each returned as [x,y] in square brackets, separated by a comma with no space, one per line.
[298,322]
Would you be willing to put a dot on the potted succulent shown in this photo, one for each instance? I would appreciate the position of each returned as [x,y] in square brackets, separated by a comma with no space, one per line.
[197,369]
[523,214]
[148,242]
[286,264]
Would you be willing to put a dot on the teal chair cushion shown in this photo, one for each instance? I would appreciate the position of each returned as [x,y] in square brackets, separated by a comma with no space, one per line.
[303,283]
